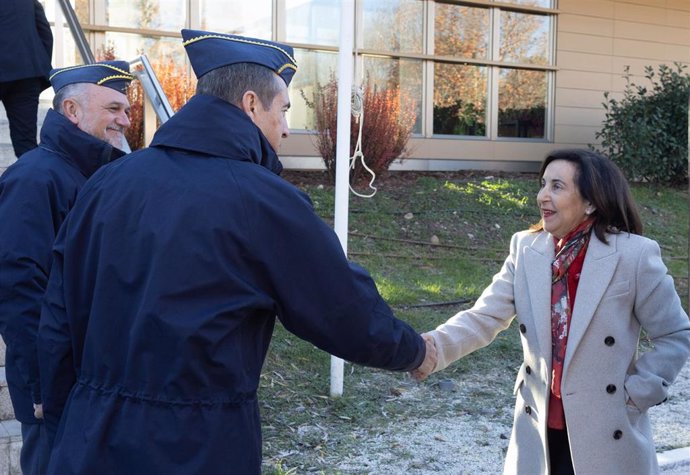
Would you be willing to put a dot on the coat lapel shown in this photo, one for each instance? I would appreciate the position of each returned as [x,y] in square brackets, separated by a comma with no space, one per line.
[538,260]
[597,272]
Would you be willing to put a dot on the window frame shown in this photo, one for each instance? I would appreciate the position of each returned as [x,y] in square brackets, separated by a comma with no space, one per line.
[96,28]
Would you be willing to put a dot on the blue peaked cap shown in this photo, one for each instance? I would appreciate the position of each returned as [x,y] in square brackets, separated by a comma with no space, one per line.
[208,51]
[112,74]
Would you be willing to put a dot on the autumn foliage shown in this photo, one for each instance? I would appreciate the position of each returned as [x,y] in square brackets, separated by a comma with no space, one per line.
[388,115]
[178,86]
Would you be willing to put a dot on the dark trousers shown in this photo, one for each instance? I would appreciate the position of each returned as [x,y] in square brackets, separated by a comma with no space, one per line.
[559,453]
[20,99]
[33,458]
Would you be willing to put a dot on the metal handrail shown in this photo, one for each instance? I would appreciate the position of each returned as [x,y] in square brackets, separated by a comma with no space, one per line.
[152,88]
[77,32]
[147,77]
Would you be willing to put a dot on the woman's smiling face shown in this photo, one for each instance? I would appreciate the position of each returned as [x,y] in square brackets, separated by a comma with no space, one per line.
[560,203]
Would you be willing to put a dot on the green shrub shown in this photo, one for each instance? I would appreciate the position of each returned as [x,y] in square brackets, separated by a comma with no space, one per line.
[646,132]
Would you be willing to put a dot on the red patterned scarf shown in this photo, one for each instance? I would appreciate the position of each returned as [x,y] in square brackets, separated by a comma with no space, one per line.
[568,249]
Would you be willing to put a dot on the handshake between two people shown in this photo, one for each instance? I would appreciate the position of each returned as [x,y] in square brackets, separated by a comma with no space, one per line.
[430,359]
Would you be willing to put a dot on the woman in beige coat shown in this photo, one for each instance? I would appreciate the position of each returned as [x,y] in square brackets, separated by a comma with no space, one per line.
[582,284]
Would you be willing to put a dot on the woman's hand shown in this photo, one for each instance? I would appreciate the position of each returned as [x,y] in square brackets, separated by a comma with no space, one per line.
[430,359]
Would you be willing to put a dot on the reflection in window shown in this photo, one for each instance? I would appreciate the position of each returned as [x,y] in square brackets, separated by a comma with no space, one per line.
[402,74]
[521,103]
[393,25]
[152,14]
[524,38]
[312,21]
[532,3]
[248,18]
[461,31]
[314,68]
[460,93]
[129,46]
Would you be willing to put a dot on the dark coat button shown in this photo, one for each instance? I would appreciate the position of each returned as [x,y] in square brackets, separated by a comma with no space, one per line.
[528,370]
[617,434]
[609,341]
[523,328]
[611,388]
[528,410]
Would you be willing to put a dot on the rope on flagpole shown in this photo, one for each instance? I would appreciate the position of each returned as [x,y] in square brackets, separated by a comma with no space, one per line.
[358,113]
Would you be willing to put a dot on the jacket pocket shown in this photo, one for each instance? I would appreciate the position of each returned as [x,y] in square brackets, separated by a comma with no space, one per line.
[520,379]
[618,288]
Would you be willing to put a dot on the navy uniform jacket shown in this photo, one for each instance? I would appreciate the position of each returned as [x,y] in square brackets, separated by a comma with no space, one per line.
[36,192]
[169,273]
[27,43]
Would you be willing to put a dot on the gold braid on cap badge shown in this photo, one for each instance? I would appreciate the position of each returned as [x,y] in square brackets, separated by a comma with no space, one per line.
[115,76]
[286,66]
[72,68]
[242,40]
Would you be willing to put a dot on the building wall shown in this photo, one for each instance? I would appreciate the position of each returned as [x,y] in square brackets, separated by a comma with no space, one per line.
[595,41]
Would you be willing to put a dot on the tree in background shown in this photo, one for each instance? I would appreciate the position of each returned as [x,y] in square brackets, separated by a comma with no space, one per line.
[388,114]
[646,131]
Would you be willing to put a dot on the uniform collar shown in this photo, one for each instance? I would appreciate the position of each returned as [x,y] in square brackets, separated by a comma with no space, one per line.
[82,150]
[214,127]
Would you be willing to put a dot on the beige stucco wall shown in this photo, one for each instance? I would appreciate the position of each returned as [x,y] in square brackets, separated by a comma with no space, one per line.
[595,41]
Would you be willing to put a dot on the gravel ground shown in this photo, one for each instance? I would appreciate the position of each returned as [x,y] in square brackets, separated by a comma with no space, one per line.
[472,444]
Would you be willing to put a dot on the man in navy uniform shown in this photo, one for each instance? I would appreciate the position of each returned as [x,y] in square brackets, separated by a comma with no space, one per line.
[27,45]
[83,131]
[171,269]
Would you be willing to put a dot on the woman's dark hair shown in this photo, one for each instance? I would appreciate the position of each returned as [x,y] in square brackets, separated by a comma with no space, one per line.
[602,183]
[231,82]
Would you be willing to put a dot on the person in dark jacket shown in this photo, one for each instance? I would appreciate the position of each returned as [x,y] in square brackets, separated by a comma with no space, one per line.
[36,193]
[27,47]
[171,270]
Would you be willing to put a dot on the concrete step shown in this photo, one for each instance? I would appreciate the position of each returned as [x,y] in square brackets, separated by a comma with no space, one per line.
[7,157]
[6,409]
[10,429]
[10,446]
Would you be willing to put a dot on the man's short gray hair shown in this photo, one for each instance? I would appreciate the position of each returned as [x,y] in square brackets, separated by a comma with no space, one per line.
[70,90]
[231,82]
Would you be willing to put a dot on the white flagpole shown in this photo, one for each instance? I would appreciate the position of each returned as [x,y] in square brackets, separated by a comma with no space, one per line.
[342,154]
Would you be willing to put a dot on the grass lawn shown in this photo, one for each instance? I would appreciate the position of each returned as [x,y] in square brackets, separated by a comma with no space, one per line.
[432,242]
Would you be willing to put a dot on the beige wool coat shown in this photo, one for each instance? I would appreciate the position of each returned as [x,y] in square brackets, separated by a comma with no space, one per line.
[624,287]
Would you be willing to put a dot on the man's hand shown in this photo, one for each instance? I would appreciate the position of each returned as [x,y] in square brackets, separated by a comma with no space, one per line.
[38,411]
[429,363]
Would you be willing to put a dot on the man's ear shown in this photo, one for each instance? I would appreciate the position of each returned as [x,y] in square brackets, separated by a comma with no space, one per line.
[250,101]
[71,110]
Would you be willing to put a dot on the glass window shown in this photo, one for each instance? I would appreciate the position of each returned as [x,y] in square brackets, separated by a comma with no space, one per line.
[532,3]
[398,74]
[129,46]
[460,94]
[521,103]
[314,22]
[170,15]
[524,38]
[248,18]
[314,68]
[70,52]
[393,25]
[461,31]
